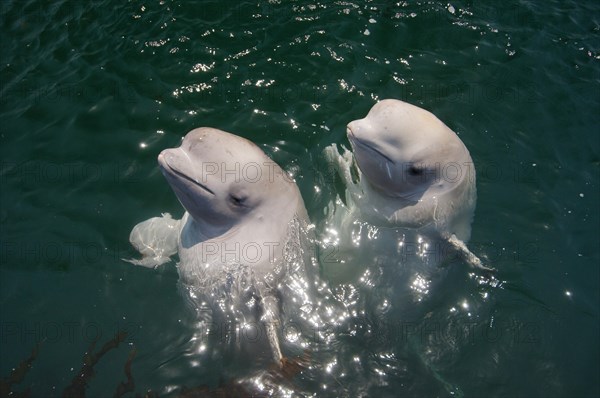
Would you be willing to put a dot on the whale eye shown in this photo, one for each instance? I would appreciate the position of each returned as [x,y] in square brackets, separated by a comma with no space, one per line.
[415,171]
[237,200]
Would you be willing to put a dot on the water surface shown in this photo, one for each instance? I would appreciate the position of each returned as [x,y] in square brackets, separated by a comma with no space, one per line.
[92,91]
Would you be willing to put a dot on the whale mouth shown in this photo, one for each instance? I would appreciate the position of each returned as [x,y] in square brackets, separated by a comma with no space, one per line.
[172,172]
[367,146]
[190,179]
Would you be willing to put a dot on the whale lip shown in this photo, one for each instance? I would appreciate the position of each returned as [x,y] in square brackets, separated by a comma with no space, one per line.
[357,141]
[171,172]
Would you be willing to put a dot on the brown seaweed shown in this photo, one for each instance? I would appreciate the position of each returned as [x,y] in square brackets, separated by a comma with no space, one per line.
[129,385]
[282,373]
[17,375]
[80,381]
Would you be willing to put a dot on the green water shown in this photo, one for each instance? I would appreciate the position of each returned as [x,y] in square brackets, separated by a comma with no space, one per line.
[92,91]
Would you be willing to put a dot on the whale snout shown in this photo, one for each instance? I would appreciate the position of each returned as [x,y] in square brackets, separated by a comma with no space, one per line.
[170,161]
[349,130]
[352,129]
[360,129]
[162,158]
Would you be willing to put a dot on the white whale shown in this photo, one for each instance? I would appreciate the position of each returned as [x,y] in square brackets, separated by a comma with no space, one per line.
[413,172]
[243,218]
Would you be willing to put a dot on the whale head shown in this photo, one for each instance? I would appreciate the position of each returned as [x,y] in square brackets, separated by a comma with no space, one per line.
[406,152]
[221,179]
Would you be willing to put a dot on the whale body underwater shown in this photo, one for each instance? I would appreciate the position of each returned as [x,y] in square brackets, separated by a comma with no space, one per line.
[244,218]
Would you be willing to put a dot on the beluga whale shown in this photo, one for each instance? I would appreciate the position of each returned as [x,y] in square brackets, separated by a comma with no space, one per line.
[239,237]
[407,169]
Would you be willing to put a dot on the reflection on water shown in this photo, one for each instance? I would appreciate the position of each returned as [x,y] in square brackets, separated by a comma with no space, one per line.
[231,332]
[398,288]
[335,335]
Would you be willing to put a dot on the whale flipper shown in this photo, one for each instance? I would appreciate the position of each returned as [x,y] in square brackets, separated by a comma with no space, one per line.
[467,254]
[155,239]
[270,318]
[342,163]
